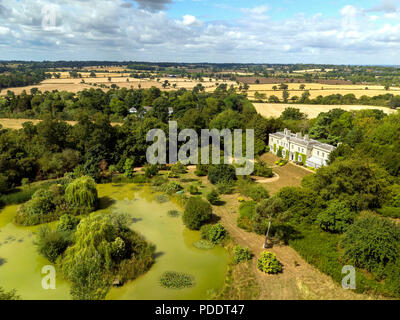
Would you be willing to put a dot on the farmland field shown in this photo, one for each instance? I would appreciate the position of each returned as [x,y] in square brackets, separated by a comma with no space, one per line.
[122,80]
[312,110]
[318,89]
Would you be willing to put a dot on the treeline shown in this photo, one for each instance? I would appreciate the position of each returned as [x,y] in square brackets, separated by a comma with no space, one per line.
[385,100]
[22,78]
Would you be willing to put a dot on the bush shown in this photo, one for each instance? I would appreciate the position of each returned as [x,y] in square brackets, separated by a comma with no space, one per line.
[214,233]
[241,254]
[261,169]
[221,173]
[150,171]
[257,192]
[213,197]
[336,218]
[268,263]
[176,280]
[197,212]
[52,243]
[67,223]
[391,212]
[178,168]
[193,189]
[82,192]
[371,243]
[225,187]
[201,170]
[172,187]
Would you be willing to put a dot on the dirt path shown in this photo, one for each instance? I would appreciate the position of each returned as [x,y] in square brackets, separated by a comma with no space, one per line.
[296,282]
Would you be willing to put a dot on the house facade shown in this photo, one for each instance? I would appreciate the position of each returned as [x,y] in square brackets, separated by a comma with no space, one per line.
[299,148]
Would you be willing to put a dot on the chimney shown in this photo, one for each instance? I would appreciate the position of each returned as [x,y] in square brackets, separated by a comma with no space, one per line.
[306,137]
[298,135]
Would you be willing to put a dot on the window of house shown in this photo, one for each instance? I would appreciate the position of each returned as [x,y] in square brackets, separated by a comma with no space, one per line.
[317,153]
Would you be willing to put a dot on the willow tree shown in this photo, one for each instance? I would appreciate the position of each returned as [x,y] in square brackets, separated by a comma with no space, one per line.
[82,192]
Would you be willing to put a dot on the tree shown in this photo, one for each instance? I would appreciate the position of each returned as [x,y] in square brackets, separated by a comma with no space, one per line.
[371,243]
[82,192]
[129,168]
[11,295]
[52,243]
[197,212]
[285,95]
[335,218]
[221,173]
[291,113]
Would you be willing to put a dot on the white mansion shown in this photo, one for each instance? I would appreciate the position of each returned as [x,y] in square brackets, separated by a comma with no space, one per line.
[297,148]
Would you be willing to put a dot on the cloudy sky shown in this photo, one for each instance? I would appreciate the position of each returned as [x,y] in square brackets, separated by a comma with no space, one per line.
[273,31]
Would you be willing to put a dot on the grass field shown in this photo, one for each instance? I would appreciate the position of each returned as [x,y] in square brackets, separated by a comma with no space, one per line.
[312,110]
[318,89]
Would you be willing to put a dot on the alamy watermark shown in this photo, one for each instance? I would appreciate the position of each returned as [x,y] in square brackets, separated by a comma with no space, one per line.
[188,153]
[349,281]
[49,280]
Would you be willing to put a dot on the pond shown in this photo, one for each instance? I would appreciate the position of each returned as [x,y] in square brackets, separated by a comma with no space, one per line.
[20,264]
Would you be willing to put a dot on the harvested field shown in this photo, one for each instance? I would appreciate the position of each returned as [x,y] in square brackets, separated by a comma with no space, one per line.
[320,89]
[17,123]
[312,110]
[121,80]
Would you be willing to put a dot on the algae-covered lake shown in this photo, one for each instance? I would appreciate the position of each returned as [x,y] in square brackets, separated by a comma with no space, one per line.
[21,265]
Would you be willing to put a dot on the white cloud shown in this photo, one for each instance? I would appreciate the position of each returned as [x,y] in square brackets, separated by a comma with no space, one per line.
[189,20]
[112,30]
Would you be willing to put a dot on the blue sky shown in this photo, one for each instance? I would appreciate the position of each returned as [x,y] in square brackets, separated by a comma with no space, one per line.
[273,31]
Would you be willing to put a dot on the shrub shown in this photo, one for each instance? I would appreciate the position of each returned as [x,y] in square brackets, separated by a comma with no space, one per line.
[392,212]
[261,169]
[129,168]
[268,263]
[201,170]
[193,189]
[52,243]
[67,223]
[221,173]
[40,204]
[150,171]
[214,233]
[82,192]
[257,192]
[225,187]
[197,212]
[178,168]
[371,243]
[158,181]
[213,197]
[172,187]
[241,254]
[176,280]
[336,218]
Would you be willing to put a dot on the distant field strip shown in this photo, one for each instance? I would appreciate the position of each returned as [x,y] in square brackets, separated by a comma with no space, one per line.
[312,110]
[17,123]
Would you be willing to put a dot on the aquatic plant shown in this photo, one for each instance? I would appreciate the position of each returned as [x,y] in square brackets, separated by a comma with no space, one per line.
[176,280]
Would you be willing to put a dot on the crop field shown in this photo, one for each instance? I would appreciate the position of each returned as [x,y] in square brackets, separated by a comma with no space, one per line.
[122,80]
[318,89]
[312,110]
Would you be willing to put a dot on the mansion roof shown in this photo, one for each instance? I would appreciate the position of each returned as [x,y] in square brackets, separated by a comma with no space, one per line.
[303,141]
